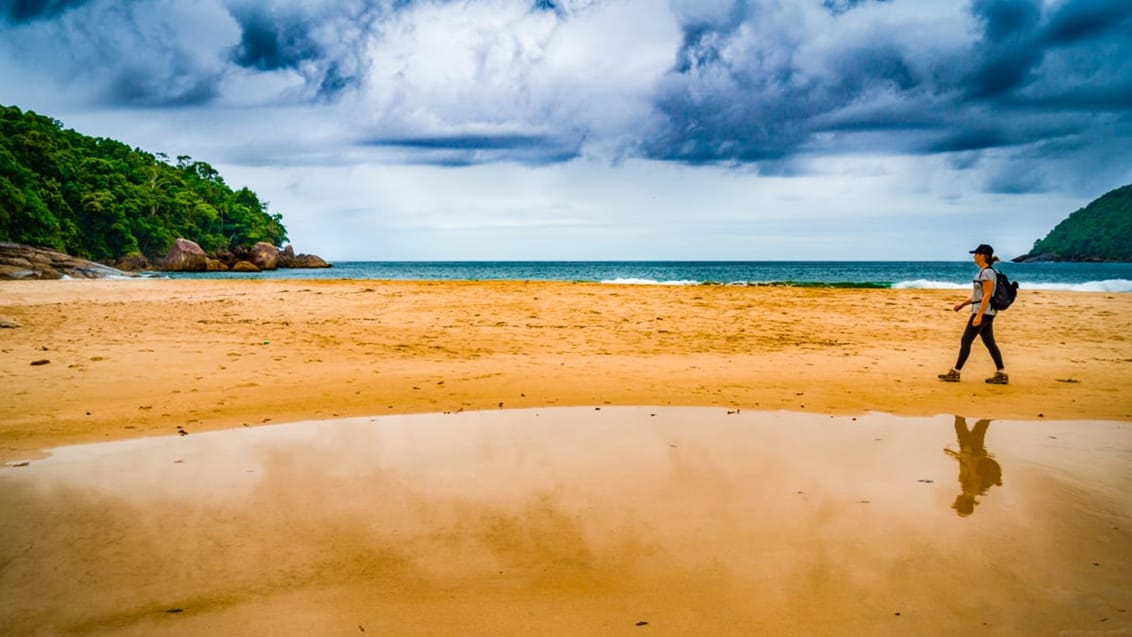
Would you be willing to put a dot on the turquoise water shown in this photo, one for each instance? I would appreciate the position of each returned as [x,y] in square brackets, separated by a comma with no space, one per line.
[1094,277]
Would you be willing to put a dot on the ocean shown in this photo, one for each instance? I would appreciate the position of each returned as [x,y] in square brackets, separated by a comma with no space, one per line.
[1086,277]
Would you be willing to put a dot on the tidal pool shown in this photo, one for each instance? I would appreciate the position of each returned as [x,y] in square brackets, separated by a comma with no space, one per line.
[578,521]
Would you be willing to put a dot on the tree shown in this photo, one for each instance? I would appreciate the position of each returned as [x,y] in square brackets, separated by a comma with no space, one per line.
[98,198]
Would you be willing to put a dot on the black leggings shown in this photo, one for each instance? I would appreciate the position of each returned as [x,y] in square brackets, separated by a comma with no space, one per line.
[985,330]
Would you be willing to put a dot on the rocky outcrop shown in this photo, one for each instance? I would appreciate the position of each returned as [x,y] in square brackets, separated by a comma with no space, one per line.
[185,256]
[1046,257]
[19,261]
[264,255]
[1033,258]
[134,263]
[288,259]
[26,262]
[309,261]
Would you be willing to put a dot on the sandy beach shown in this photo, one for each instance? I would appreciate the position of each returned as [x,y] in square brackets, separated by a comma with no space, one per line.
[498,458]
[136,358]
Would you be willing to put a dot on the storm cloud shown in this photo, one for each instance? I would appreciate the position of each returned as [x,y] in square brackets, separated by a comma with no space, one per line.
[1002,96]
[17,11]
[767,81]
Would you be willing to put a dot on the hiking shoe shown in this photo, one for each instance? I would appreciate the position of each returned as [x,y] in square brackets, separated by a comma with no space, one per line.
[951,377]
[999,378]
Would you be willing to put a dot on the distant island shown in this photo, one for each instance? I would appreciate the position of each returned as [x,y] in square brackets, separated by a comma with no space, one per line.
[97,199]
[1101,231]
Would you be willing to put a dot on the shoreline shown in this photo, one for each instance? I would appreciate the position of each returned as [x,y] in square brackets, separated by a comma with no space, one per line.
[148,357]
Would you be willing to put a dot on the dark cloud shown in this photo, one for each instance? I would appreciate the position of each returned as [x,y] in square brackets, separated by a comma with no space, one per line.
[1006,49]
[1019,43]
[1055,89]
[272,39]
[1041,168]
[269,44]
[121,53]
[17,11]
[1084,99]
[718,107]
[465,142]
[305,40]
[334,81]
[546,5]
[977,137]
[838,7]
[1005,20]
[143,52]
[463,150]
[1015,179]
[1029,85]
[1072,22]
[139,87]
[700,47]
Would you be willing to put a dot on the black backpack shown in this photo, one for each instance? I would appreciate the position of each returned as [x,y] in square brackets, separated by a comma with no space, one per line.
[1005,291]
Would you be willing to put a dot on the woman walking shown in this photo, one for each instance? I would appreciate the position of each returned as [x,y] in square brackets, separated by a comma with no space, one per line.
[981,323]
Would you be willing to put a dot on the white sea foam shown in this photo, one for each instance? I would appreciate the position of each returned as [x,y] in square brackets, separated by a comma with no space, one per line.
[1108,285]
[924,284]
[631,281]
[114,277]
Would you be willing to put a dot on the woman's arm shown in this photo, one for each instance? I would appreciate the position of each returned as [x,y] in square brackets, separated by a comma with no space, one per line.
[988,290]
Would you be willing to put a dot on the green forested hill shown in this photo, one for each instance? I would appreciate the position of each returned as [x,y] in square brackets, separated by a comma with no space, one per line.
[1101,230]
[99,199]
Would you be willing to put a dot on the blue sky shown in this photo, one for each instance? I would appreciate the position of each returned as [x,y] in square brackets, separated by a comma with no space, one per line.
[609,129]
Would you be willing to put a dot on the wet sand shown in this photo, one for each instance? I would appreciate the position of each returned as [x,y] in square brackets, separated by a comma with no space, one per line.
[142,358]
[607,521]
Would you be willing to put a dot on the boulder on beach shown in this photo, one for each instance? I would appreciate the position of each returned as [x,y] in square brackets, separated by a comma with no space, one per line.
[16,272]
[309,261]
[18,261]
[133,263]
[245,266]
[288,259]
[264,255]
[216,265]
[185,256]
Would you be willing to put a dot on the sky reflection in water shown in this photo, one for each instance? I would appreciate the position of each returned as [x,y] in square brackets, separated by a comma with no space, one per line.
[695,519]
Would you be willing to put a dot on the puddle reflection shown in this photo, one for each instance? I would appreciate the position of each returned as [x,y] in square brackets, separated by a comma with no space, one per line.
[574,521]
[978,468]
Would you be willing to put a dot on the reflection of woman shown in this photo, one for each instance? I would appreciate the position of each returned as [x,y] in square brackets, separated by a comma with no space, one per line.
[978,470]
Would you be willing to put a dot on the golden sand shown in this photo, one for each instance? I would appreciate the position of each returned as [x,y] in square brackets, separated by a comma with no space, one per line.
[133,358]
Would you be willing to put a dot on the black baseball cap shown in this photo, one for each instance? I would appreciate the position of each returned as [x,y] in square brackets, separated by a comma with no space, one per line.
[983,249]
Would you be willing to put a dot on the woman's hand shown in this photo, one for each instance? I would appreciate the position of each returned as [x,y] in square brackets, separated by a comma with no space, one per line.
[959,306]
[977,321]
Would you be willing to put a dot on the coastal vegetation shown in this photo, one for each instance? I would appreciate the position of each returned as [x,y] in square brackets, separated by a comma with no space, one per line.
[1101,231]
[99,199]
